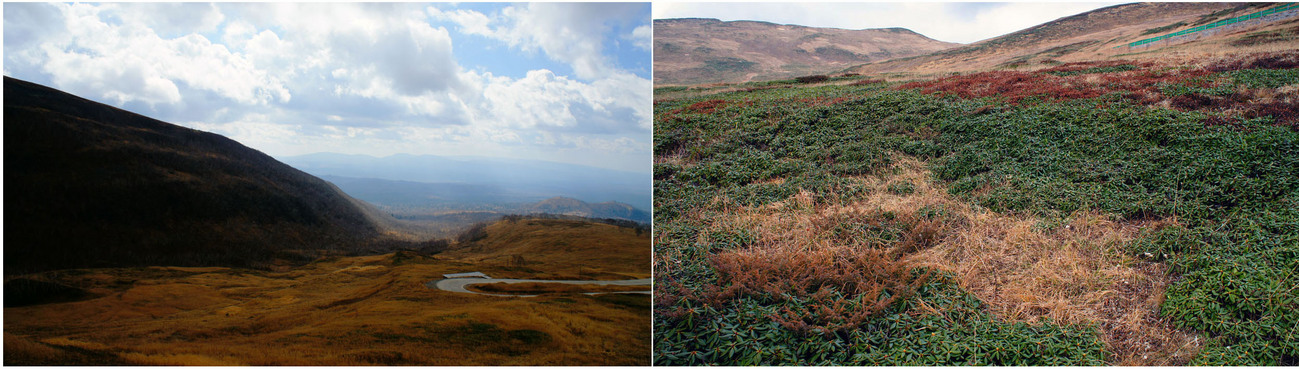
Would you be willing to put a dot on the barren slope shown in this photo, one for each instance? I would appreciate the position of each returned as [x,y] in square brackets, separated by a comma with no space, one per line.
[1103,34]
[693,51]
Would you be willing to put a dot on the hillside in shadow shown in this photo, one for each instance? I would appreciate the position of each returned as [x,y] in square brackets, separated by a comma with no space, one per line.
[89,185]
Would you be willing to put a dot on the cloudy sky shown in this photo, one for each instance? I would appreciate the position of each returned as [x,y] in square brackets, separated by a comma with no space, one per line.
[560,82]
[962,22]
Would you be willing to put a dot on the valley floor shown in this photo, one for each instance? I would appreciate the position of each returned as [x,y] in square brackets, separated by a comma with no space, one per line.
[339,311]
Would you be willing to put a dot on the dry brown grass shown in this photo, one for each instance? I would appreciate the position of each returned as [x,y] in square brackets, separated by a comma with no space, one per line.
[560,249]
[1024,271]
[368,310]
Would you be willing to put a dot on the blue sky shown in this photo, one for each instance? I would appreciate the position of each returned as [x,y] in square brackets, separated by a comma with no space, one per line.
[962,22]
[566,82]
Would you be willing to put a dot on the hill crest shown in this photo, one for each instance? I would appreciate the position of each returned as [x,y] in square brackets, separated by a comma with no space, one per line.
[706,50]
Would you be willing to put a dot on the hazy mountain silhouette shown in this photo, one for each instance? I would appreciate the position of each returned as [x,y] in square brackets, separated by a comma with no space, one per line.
[479,179]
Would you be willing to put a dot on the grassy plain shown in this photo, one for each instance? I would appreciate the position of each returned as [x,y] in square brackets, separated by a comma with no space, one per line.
[1128,213]
[363,310]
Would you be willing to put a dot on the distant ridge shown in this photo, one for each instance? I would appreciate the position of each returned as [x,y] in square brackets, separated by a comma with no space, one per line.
[571,206]
[90,185]
[472,179]
[706,50]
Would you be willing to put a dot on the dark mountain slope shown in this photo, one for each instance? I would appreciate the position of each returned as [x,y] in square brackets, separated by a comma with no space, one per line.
[89,185]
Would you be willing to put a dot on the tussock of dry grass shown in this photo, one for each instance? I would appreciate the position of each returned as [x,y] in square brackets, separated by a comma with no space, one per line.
[1071,273]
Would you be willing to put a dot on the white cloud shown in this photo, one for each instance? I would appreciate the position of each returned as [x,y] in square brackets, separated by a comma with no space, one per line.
[170,18]
[129,62]
[642,37]
[571,33]
[289,78]
[470,22]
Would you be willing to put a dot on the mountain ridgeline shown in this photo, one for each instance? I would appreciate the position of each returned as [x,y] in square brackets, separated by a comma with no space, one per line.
[698,50]
[90,185]
[575,207]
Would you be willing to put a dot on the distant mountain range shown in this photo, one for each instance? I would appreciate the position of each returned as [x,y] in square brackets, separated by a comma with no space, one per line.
[694,51]
[427,201]
[571,206]
[448,181]
[701,50]
[90,185]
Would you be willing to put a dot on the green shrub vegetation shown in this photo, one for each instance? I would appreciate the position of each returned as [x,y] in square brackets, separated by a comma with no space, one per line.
[1233,190]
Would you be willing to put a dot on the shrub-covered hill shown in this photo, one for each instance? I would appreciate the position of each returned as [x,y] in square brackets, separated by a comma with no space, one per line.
[89,185]
[1089,214]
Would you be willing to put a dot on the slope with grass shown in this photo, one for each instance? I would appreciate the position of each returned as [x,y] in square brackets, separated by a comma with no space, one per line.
[1102,34]
[360,310]
[539,248]
[1124,212]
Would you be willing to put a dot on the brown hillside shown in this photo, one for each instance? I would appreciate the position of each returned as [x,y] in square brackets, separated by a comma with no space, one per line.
[1101,35]
[561,249]
[695,51]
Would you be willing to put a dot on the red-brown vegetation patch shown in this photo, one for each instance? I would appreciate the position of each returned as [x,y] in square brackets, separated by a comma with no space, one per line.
[845,277]
[1012,86]
[1146,85]
[706,107]
[1285,114]
[1141,84]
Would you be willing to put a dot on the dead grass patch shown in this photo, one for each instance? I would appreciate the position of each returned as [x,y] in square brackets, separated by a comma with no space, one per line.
[1070,273]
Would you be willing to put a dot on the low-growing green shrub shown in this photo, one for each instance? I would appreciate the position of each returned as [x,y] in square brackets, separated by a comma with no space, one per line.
[1238,284]
[962,333]
[1231,187]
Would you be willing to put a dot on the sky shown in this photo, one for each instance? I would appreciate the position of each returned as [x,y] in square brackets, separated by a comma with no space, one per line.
[961,22]
[564,82]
